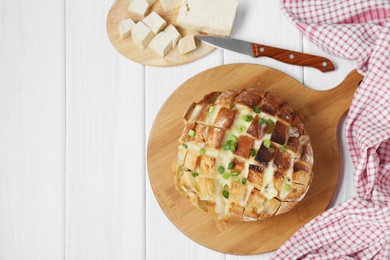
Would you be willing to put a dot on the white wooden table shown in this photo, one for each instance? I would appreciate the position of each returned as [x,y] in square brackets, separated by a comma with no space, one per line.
[74,123]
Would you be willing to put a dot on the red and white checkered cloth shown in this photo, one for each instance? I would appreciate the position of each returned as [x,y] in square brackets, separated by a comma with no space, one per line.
[359,228]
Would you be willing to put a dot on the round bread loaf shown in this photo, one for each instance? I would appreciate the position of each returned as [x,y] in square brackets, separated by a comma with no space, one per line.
[244,155]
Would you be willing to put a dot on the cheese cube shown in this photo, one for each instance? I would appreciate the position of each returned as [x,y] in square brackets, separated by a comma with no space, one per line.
[169,5]
[141,35]
[186,44]
[138,7]
[125,27]
[214,17]
[173,34]
[161,44]
[154,22]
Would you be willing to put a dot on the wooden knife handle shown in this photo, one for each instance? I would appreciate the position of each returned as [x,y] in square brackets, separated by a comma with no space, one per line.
[292,57]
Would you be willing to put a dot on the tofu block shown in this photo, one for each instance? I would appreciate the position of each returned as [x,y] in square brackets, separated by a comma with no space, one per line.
[138,7]
[154,22]
[142,35]
[214,17]
[125,27]
[173,34]
[187,44]
[169,5]
[161,44]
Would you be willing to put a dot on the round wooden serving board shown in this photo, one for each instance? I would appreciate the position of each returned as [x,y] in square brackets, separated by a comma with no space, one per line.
[320,111]
[127,48]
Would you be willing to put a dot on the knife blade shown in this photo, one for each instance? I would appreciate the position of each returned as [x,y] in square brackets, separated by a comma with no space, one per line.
[260,50]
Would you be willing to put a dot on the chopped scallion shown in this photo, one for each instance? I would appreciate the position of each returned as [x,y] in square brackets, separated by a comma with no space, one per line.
[287,187]
[226,175]
[236,179]
[232,148]
[256,110]
[269,121]
[221,169]
[226,147]
[225,193]
[261,121]
[282,148]
[211,109]
[234,173]
[191,133]
[253,152]
[241,129]
[244,180]
[234,138]
[185,146]
[195,174]
[202,151]
[230,166]
[247,118]
[267,143]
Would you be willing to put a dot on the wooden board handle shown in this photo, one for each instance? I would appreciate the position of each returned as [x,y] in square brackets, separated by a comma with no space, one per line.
[292,57]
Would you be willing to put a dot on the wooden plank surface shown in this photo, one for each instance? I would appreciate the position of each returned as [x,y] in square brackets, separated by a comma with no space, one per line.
[32,130]
[110,211]
[105,205]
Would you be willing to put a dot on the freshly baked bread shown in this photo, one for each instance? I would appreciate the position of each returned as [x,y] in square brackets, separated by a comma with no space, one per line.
[244,155]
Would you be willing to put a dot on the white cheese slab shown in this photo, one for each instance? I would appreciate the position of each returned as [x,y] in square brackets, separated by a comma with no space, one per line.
[141,35]
[125,27]
[161,44]
[138,7]
[214,17]
[169,5]
[173,34]
[155,22]
[187,44]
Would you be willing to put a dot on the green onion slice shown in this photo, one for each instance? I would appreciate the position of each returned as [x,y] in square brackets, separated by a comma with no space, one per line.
[267,143]
[236,179]
[253,152]
[234,173]
[244,180]
[247,118]
[195,174]
[226,175]
[221,169]
[234,138]
[185,146]
[225,193]
[282,148]
[287,187]
[226,147]
[261,121]
[242,128]
[202,151]
[256,110]
[191,133]
[211,109]
[230,166]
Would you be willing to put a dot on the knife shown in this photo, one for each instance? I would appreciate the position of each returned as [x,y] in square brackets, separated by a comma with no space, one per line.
[259,50]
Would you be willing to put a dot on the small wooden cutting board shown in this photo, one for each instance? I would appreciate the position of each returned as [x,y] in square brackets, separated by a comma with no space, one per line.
[127,48]
[321,112]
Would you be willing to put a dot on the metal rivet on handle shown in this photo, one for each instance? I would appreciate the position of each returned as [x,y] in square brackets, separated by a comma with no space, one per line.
[291,56]
[324,64]
[261,49]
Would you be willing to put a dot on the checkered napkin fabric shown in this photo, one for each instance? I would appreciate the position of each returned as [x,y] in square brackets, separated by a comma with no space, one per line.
[359,228]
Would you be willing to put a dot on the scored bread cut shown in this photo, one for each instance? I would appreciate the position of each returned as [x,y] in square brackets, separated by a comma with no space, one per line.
[244,155]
